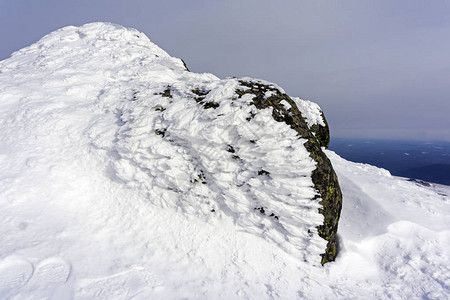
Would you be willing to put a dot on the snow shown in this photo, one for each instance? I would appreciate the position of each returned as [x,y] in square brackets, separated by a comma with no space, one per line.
[311,111]
[112,188]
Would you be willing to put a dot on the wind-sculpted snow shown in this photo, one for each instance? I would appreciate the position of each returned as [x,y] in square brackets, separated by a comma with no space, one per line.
[123,175]
[310,111]
[203,161]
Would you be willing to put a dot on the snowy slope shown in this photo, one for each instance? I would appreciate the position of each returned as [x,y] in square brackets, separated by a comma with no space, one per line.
[114,187]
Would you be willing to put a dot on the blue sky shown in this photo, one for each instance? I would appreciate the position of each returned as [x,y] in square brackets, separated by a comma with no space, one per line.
[379,69]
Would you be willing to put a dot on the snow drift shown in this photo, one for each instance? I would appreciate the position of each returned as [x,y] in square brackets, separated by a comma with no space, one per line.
[123,175]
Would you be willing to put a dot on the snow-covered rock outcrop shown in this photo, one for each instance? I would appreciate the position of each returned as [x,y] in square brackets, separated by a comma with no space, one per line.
[231,148]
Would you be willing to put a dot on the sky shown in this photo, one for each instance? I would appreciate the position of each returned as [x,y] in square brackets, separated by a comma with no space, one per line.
[378,69]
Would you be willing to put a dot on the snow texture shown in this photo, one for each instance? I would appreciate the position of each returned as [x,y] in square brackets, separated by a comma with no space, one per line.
[310,111]
[124,176]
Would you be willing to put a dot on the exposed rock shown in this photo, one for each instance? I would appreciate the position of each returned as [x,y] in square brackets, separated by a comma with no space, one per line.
[184,64]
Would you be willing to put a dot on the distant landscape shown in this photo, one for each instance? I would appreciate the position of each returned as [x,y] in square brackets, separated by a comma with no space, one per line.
[428,161]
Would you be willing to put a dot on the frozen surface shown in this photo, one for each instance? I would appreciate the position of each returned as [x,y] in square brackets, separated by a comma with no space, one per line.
[311,111]
[117,182]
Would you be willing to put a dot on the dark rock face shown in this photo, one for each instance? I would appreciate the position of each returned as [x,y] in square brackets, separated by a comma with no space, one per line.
[184,64]
[324,178]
